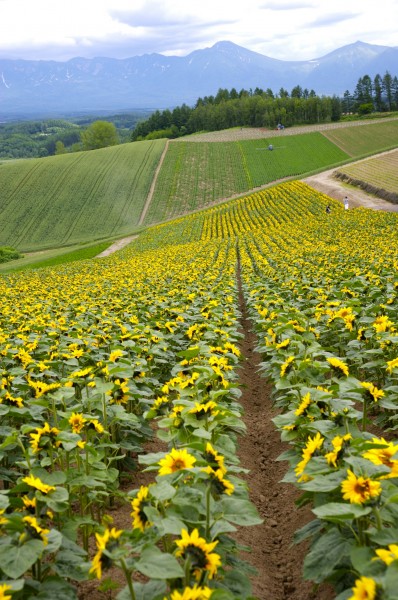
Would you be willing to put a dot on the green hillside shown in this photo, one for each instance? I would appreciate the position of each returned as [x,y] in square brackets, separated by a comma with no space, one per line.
[84,197]
[73,198]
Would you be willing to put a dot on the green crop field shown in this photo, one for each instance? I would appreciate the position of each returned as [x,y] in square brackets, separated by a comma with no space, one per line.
[381,171]
[360,140]
[73,198]
[196,175]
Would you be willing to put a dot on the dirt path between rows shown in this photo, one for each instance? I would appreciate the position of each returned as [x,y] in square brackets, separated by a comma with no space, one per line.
[278,561]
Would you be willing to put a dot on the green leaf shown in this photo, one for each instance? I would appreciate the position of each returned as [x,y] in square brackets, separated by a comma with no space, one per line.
[162,490]
[391,581]
[16,560]
[325,554]
[153,590]
[158,565]
[171,525]
[55,587]
[241,512]
[337,511]
[324,483]
[384,536]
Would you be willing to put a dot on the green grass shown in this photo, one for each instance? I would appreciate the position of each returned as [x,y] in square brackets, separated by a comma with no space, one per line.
[196,175]
[51,258]
[74,198]
[366,139]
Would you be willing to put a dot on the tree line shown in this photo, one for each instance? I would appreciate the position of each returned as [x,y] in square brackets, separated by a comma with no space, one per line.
[259,108]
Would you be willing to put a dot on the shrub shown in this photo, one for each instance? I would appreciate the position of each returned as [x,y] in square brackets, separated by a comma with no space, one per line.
[7,253]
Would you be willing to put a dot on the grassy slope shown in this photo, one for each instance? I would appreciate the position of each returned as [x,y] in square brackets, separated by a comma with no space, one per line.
[74,198]
[361,140]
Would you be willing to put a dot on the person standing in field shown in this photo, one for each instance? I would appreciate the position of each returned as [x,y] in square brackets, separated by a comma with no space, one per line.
[328,209]
[345,202]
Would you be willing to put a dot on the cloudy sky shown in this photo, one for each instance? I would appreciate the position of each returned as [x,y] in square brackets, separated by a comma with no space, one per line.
[283,29]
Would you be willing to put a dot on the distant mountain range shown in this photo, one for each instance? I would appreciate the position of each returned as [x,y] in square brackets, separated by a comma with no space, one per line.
[150,81]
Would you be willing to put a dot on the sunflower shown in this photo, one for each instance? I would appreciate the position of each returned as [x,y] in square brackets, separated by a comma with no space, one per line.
[213,458]
[391,365]
[364,589]
[4,588]
[338,443]
[218,484]
[374,393]
[195,593]
[286,365]
[388,556]
[359,489]
[37,483]
[198,552]
[176,460]
[105,543]
[382,323]
[205,410]
[48,433]
[76,421]
[313,444]
[34,531]
[306,401]
[140,520]
[384,455]
[336,363]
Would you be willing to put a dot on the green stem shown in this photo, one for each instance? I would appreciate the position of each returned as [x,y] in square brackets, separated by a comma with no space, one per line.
[377,516]
[364,415]
[129,579]
[208,498]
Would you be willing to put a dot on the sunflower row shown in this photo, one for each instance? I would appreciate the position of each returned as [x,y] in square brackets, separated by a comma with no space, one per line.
[322,298]
[91,355]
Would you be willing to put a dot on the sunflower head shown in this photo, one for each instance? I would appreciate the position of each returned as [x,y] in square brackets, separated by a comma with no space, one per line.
[199,553]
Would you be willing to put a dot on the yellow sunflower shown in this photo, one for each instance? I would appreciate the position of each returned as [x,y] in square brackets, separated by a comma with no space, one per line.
[384,455]
[374,393]
[176,460]
[106,542]
[37,483]
[388,556]
[199,552]
[76,421]
[336,363]
[364,589]
[304,404]
[4,588]
[359,489]
[140,520]
[195,593]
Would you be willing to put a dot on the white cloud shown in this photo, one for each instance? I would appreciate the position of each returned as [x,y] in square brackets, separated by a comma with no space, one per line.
[284,29]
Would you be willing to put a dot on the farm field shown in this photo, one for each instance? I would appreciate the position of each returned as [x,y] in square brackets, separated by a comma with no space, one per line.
[196,175]
[124,418]
[377,175]
[360,140]
[76,198]
[73,198]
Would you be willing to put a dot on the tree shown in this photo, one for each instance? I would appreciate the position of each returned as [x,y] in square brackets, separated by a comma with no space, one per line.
[387,89]
[99,134]
[59,147]
[378,89]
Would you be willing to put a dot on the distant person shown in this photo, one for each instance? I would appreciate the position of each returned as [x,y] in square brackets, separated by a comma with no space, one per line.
[345,202]
[270,147]
[328,209]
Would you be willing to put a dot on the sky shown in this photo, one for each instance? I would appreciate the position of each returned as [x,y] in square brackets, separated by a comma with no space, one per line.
[283,29]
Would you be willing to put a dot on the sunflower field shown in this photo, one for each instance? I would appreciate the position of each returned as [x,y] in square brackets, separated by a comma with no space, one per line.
[100,358]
